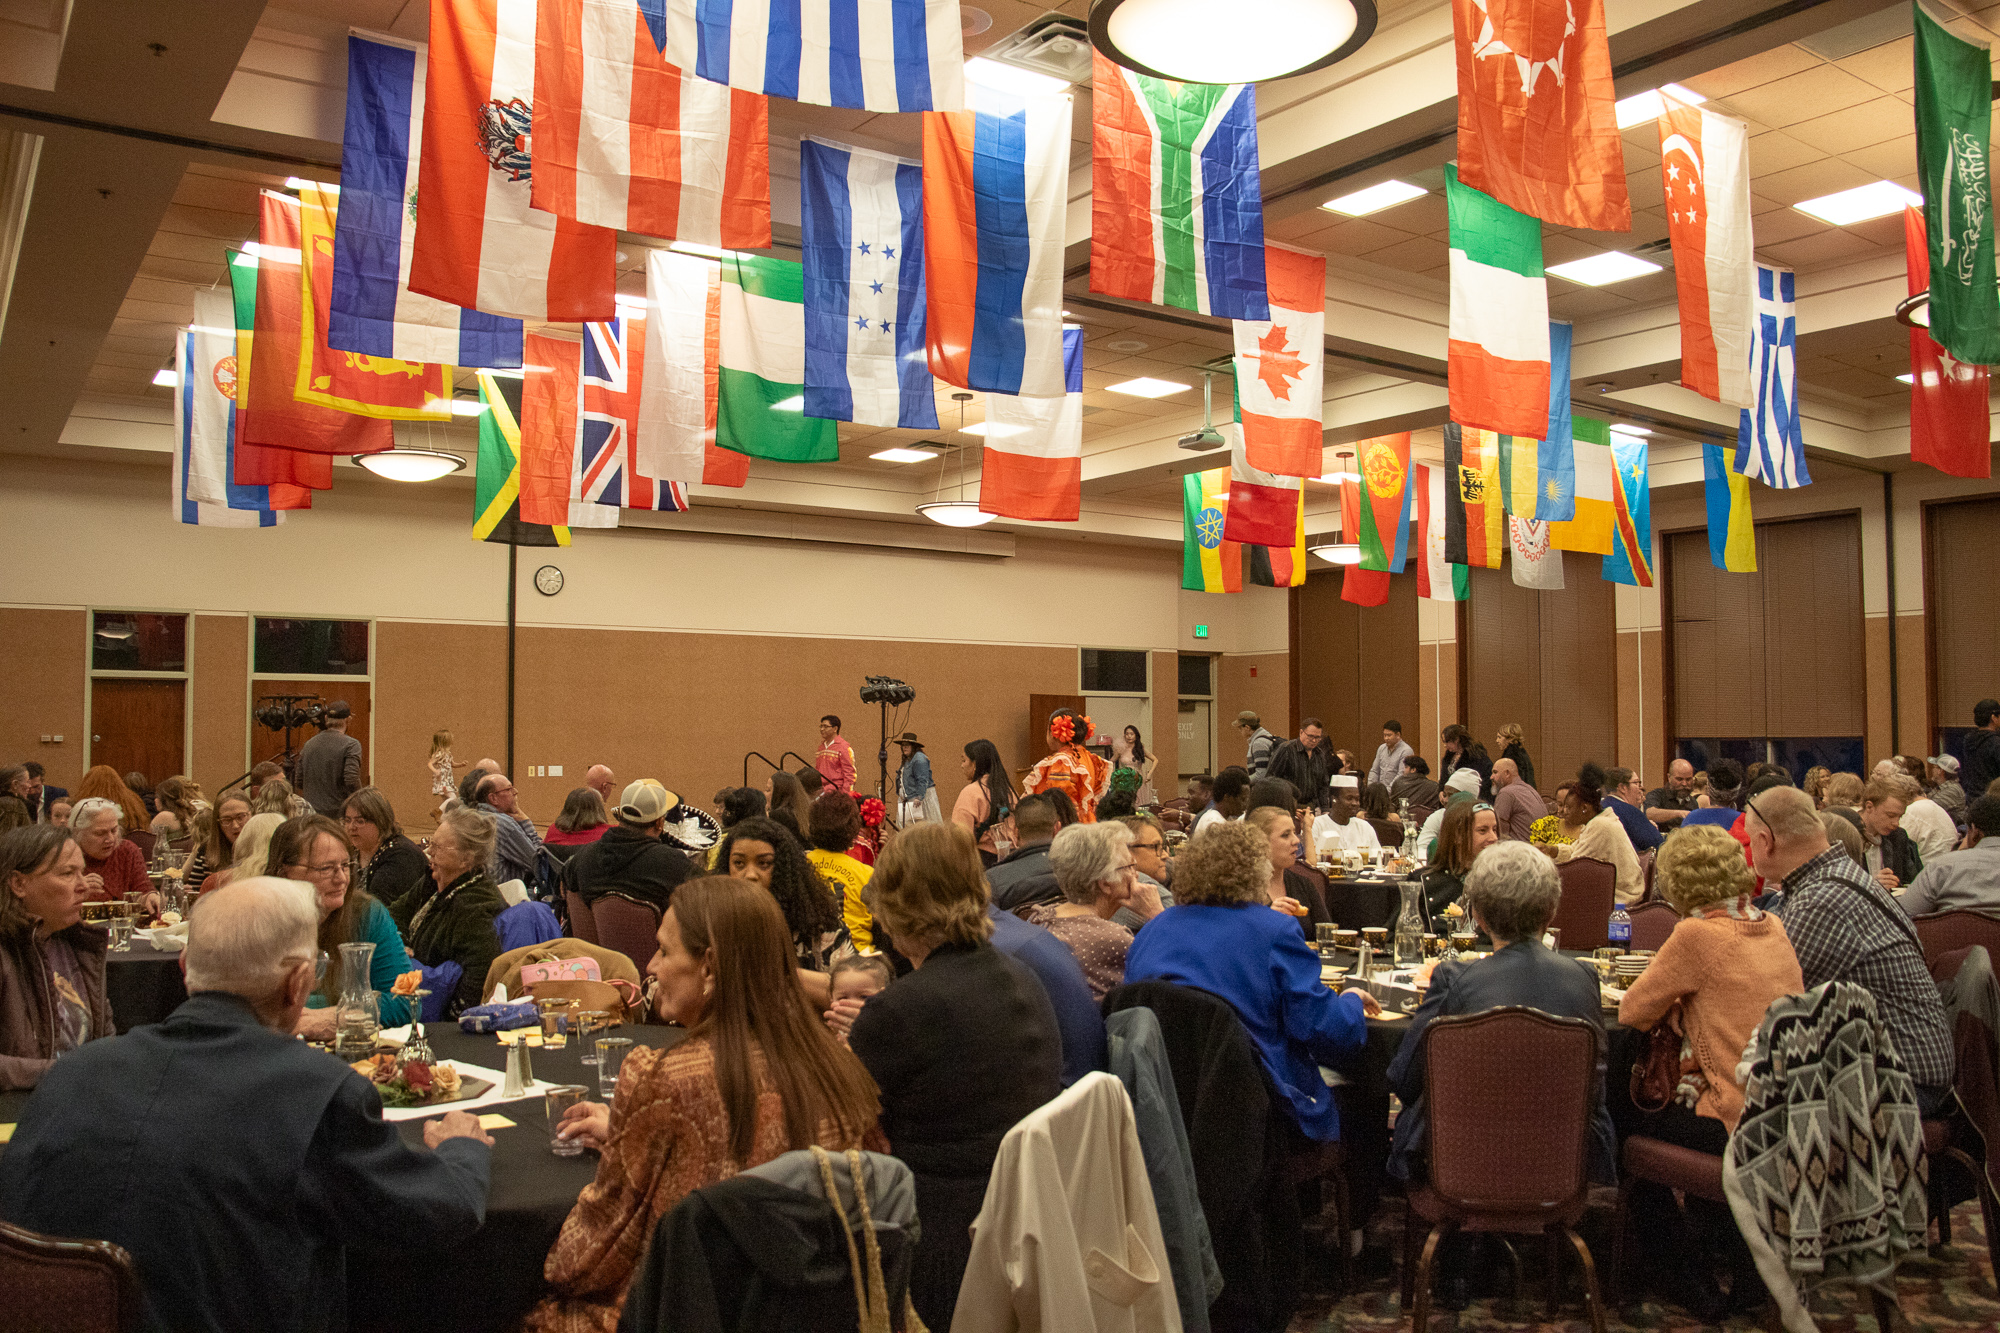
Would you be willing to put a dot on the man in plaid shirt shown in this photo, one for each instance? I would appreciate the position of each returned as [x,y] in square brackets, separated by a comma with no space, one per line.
[1845,927]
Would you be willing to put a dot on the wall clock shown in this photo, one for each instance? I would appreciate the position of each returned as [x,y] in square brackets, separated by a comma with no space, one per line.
[548,580]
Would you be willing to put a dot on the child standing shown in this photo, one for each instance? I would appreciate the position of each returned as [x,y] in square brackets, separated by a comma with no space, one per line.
[440,766]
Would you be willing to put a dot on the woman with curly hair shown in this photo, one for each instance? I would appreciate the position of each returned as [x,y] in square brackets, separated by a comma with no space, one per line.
[1601,836]
[180,801]
[1069,768]
[762,851]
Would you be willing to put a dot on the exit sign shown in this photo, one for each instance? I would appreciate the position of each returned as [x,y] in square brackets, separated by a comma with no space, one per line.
[1201,631]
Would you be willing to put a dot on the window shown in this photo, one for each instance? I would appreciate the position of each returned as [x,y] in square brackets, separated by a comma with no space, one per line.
[138,641]
[1197,674]
[311,647]
[1114,670]
[1795,754]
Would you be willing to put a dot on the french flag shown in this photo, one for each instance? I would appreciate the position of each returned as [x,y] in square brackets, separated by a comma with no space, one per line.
[872,55]
[373,311]
[1032,466]
[996,182]
[479,243]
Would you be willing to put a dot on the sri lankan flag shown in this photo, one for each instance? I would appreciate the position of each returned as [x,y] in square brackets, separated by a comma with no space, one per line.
[1208,563]
[1631,558]
[1282,566]
[1475,532]
[496,504]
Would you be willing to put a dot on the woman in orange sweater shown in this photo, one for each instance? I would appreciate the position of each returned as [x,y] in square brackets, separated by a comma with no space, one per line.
[1723,965]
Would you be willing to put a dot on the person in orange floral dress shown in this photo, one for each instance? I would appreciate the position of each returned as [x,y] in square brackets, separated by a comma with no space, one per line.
[759,1075]
[1069,768]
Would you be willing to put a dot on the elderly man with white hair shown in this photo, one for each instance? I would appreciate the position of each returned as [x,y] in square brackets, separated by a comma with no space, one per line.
[1093,868]
[233,1161]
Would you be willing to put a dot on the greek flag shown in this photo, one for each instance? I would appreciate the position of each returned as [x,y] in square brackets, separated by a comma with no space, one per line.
[1770,444]
[864,295]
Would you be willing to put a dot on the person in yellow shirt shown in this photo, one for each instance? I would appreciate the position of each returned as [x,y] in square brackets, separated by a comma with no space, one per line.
[836,823]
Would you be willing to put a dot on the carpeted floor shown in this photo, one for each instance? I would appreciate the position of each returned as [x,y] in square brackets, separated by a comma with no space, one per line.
[1952,1292]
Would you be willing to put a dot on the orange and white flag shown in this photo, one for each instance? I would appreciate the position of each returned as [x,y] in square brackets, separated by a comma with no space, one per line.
[1279,377]
[1705,168]
[1536,128]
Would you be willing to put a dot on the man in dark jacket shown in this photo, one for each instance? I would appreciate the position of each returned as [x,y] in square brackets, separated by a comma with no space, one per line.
[234,1161]
[1982,749]
[631,858]
[1024,875]
[1307,763]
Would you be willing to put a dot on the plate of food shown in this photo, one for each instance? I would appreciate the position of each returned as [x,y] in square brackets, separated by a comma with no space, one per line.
[413,1083]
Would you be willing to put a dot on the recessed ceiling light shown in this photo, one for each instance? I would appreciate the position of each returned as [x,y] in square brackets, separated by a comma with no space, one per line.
[300,183]
[458,407]
[994,430]
[1906,379]
[1630,429]
[1011,78]
[1649,105]
[167,379]
[1859,204]
[1598,270]
[1374,199]
[1148,387]
[904,455]
[1126,345]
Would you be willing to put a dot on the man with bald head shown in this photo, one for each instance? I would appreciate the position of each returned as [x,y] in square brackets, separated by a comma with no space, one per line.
[604,782]
[515,843]
[1667,806]
[1844,926]
[234,1161]
[1516,805]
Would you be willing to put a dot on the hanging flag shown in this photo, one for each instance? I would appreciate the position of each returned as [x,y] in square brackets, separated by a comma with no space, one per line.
[1475,523]
[866,358]
[1705,163]
[1954,87]
[1536,129]
[1279,367]
[871,55]
[1950,425]
[289,476]
[760,391]
[1770,438]
[205,425]
[1209,561]
[1261,504]
[1732,532]
[608,475]
[1177,206]
[1358,584]
[1535,564]
[272,415]
[548,422]
[1590,530]
[1555,453]
[683,351]
[368,386]
[373,311]
[625,139]
[1499,324]
[1032,465]
[1437,578]
[1519,474]
[1281,566]
[1631,558]
[478,241]
[996,180]
[1384,521]
[496,489]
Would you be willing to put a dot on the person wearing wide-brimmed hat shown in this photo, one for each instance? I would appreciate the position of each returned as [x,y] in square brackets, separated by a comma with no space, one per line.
[914,785]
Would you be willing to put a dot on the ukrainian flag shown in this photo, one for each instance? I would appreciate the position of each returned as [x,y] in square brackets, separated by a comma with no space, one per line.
[1208,563]
[1732,533]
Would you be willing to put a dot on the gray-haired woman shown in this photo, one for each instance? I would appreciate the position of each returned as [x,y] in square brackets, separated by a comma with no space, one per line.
[1093,868]
[448,917]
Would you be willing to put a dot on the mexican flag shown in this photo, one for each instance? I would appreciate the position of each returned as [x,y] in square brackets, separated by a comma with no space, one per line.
[760,385]
[1499,322]
[1208,563]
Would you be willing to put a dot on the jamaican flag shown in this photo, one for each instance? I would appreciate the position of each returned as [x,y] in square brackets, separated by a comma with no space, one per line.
[496,505]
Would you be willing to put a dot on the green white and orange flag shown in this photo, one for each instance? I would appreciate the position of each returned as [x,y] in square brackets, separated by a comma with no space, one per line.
[1384,518]
[1208,562]
[1499,324]
[1475,522]
[1279,375]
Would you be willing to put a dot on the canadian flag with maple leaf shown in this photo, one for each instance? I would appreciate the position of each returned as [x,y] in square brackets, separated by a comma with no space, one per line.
[1278,367]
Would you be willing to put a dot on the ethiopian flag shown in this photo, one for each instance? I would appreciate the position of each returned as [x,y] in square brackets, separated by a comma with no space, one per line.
[760,382]
[1732,533]
[496,490]
[1631,558]
[1208,563]
[1384,518]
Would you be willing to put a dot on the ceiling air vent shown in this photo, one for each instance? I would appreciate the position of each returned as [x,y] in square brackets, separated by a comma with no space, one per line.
[1054,44]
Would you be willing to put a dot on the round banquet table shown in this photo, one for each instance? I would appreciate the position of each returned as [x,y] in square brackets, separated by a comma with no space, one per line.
[144,985]
[1359,903]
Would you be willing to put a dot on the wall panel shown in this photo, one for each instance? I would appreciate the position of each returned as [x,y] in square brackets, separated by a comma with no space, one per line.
[1548,661]
[1815,660]
[218,673]
[1962,560]
[1356,666]
[42,661]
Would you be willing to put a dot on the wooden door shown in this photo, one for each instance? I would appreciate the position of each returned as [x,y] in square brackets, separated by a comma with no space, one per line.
[268,744]
[139,724]
[1039,708]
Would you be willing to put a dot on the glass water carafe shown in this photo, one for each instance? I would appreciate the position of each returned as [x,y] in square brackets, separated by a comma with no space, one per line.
[359,1012]
[1410,925]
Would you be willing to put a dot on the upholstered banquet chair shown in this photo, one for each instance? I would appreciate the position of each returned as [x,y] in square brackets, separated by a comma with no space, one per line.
[66,1286]
[1588,890]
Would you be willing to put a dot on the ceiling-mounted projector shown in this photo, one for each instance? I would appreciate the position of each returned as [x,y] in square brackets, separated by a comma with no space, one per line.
[1202,440]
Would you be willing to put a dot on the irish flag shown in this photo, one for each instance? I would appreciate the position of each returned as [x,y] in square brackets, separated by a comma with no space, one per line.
[1499,326]
[683,350]
[1208,563]
[1279,382]
[760,380]
[1177,209]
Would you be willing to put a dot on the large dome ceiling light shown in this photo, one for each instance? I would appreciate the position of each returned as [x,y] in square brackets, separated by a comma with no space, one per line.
[412,464]
[1247,41]
[961,512]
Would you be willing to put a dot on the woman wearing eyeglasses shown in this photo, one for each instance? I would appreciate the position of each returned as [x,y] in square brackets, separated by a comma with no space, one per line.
[315,850]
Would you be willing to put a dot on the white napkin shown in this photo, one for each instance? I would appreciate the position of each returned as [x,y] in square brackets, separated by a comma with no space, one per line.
[499,995]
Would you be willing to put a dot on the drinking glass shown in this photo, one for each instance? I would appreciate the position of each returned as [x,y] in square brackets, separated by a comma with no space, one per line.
[555,1023]
[611,1052]
[1327,930]
[1462,941]
[417,1047]
[588,1024]
[558,1100]
[135,904]
[1377,936]
[121,934]
[1433,946]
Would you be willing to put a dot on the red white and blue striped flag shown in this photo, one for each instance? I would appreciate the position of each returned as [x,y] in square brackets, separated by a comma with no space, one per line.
[607,428]
[874,55]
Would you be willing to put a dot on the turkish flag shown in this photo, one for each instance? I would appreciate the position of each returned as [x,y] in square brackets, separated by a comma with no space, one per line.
[1536,129]
[1949,422]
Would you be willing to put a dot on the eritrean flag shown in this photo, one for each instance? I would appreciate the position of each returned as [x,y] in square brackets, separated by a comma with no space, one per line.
[1383,521]
[1208,563]
[1475,532]
[1363,587]
[1631,558]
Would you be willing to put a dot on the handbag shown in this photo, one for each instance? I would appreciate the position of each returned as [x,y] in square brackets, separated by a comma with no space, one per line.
[582,968]
[1655,1077]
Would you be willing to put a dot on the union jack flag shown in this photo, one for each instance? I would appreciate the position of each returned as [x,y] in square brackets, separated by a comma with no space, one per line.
[614,358]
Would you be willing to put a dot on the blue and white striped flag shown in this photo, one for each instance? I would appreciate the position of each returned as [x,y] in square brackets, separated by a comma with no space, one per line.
[873,55]
[864,271]
[1770,442]
[373,310]
[204,492]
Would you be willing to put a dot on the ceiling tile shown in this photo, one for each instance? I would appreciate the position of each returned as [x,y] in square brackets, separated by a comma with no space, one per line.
[1857,127]
[1360,236]
[1783,224]
[1413,256]
[1894,159]
[1814,92]
[1753,71]
[1776,150]
[1890,67]
[1812,180]
[1830,246]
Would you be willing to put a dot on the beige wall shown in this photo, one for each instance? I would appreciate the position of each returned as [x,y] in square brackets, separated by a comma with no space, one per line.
[41,659]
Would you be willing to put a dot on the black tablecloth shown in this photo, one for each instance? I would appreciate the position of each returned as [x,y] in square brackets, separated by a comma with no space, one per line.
[144,985]
[1358,903]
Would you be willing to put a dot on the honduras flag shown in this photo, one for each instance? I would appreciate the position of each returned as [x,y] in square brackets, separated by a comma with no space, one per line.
[873,55]
[864,296]
[373,310]
[1770,441]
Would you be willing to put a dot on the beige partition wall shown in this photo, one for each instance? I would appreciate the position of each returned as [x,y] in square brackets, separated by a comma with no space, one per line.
[1355,667]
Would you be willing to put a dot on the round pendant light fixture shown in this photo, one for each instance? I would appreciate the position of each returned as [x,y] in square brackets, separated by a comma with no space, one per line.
[1339,553]
[1343,550]
[961,512]
[1249,41]
[412,464]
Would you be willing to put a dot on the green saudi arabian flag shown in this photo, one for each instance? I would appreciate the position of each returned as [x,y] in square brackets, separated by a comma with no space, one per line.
[1954,110]
[760,382]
